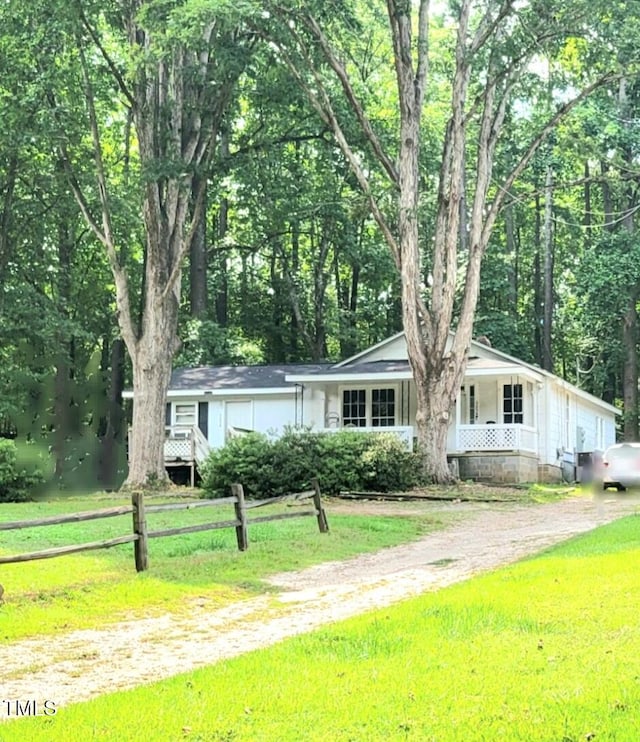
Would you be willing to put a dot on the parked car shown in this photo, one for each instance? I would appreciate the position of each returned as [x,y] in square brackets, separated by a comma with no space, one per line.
[620,466]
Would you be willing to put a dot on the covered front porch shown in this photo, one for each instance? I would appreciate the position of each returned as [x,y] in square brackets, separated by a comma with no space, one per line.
[496,437]
[497,409]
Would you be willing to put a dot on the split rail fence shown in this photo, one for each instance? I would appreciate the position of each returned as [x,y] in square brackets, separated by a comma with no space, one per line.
[141,533]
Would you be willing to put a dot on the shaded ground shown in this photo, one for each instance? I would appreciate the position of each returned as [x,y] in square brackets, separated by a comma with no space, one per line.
[82,664]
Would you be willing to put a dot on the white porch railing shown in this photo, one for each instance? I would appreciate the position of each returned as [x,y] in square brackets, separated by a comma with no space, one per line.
[185,444]
[499,437]
[404,432]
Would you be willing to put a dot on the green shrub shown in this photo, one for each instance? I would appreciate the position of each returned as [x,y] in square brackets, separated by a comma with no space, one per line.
[390,467]
[246,459]
[346,460]
[16,484]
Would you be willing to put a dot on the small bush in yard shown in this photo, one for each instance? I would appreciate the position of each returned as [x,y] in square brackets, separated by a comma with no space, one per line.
[16,484]
[346,460]
[389,466]
[246,459]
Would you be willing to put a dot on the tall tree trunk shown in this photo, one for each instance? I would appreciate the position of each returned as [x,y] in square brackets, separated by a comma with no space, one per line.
[547,316]
[512,260]
[347,294]
[607,199]
[437,353]
[630,370]
[63,424]
[112,438]
[151,357]
[538,294]
[587,202]
[198,294]
[630,319]
[221,270]
[290,270]
[179,98]
[219,253]
[8,189]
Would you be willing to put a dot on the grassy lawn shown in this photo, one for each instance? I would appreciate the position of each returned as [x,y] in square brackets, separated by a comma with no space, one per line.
[94,588]
[547,649]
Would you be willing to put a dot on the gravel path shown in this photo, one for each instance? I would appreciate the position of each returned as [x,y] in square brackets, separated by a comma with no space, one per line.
[83,664]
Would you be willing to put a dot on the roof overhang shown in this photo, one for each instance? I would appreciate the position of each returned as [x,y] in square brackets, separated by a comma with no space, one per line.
[191,393]
[352,376]
[501,369]
[595,401]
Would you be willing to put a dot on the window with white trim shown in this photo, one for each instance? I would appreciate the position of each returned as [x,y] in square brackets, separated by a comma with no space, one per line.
[354,408]
[383,407]
[363,408]
[512,407]
[185,414]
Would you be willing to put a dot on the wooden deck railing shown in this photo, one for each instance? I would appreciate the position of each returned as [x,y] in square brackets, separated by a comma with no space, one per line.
[141,533]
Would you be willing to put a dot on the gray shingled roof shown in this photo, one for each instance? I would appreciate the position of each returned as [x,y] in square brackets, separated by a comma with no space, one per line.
[273,377]
[368,367]
[240,377]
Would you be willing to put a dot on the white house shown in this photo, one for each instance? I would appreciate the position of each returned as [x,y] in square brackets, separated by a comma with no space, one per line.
[512,421]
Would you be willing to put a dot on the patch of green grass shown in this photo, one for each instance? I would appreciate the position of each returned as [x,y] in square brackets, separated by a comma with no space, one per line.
[542,493]
[547,650]
[98,587]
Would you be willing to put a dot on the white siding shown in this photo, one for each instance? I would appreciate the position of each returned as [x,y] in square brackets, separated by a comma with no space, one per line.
[595,428]
[268,414]
[395,350]
[581,430]
[550,426]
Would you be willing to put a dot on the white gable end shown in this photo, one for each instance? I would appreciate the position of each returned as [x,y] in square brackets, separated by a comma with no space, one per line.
[391,349]
[395,349]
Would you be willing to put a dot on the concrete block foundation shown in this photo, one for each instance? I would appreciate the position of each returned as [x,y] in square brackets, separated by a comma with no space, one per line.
[502,467]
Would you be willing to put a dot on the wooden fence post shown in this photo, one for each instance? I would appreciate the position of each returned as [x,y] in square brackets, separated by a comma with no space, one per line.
[320,514]
[140,550]
[241,515]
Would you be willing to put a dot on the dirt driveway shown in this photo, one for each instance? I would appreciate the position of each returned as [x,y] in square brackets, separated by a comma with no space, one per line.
[82,664]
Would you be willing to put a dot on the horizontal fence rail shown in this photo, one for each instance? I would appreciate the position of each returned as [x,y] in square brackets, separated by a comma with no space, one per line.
[67,518]
[141,533]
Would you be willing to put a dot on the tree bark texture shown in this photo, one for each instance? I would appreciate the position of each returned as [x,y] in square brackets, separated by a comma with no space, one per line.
[198,290]
[630,372]
[547,317]
[114,424]
[178,97]
[487,44]
[630,318]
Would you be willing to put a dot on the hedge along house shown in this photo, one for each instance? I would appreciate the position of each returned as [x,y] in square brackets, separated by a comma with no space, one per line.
[511,422]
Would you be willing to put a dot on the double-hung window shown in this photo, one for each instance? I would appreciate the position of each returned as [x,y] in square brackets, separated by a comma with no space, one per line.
[354,408]
[512,406]
[363,408]
[185,414]
[383,407]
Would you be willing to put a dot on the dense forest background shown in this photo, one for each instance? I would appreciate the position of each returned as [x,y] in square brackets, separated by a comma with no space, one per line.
[287,263]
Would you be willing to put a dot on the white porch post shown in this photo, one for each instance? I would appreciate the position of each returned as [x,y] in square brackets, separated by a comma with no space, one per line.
[458,418]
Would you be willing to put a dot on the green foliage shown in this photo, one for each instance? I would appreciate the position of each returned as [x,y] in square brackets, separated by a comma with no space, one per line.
[16,483]
[342,461]
[388,464]
[244,459]
[205,342]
